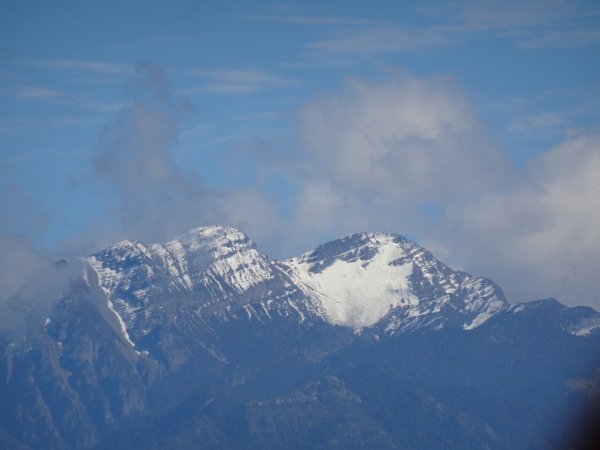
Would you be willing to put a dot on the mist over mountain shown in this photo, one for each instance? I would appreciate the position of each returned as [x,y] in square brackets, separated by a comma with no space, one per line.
[368,341]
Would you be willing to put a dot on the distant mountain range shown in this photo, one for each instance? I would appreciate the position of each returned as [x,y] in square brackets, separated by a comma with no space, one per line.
[368,341]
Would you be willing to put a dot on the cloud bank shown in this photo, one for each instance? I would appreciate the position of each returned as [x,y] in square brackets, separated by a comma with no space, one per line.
[410,156]
[529,24]
[408,140]
[539,237]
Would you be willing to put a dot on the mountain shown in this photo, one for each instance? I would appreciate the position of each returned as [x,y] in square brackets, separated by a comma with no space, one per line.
[368,341]
[365,277]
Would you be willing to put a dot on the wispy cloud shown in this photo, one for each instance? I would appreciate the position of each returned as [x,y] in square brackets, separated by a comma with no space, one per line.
[548,120]
[104,68]
[556,111]
[243,76]
[167,39]
[104,107]
[518,13]
[529,23]
[34,93]
[560,38]
[24,125]
[318,63]
[96,80]
[298,19]
[78,102]
[67,110]
[410,138]
[155,198]
[266,115]
[391,39]
[375,153]
[538,236]
[7,75]
[236,81]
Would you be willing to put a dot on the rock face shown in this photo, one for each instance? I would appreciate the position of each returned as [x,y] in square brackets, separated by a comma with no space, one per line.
[368,341]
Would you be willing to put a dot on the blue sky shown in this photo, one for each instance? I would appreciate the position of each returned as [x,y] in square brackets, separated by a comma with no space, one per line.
[471,127]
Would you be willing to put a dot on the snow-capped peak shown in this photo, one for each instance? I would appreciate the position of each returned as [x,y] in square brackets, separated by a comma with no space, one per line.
[357,246]
[216,263]
[358,279]
[220,254]
[213,237]
[361,278]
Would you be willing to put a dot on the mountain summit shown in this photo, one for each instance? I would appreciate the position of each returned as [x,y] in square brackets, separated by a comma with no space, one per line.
[364,277]
[355,281]
[368,341]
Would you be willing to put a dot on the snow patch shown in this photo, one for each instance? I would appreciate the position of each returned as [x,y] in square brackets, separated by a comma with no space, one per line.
[585,327]
[293,305]
[479,320]
[121,322]
[108,277]
[359,293]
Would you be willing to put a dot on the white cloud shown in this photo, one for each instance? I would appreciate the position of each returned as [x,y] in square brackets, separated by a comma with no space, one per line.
[251,211]
[99,67]
[389,39]
[155,199]
[325,211]
[36,93]
[376,153]
[319,208]
[299,19]
[540,237]
[370,157]
[408,140]
[561,38]
[236,81]
[529,23]
[515,13]
[18,261]
[549,120]
[167,39]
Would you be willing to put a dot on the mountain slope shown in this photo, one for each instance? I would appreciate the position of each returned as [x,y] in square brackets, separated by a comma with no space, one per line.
[368,341]
[361,278]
